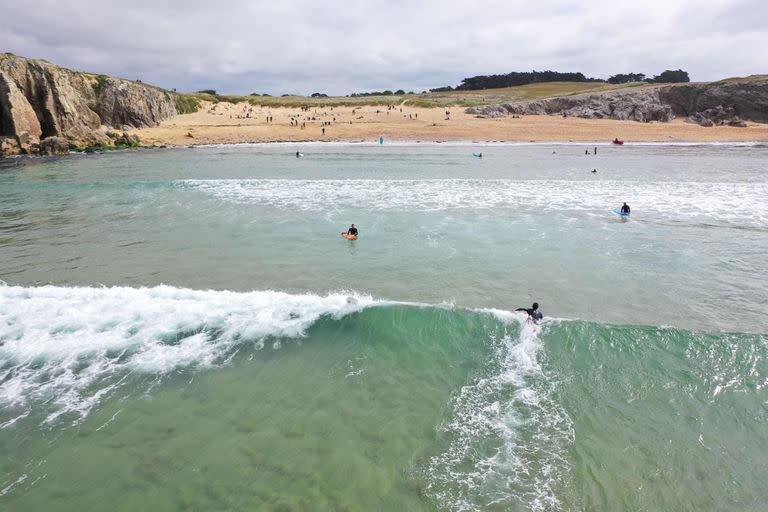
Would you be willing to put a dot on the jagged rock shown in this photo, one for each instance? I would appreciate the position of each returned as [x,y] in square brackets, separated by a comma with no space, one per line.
[638,105]
[127,140]
[717,103]
[131,105]
[489,111]
[8,146]
[746,98]
[40,100]
[24,141]
[700,119]
[54,146]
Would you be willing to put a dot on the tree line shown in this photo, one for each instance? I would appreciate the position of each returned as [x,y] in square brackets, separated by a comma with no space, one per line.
[669,76]
[516,78]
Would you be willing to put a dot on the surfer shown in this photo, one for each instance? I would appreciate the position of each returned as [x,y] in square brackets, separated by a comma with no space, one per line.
[533,313]
[625,208]
[352,230]
[594,171]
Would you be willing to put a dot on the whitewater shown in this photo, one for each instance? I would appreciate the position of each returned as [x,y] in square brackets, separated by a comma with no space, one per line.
[185,329]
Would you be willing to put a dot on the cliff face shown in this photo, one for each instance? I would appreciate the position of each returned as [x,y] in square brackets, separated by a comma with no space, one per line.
[39,100]
[729,101]
[746,98]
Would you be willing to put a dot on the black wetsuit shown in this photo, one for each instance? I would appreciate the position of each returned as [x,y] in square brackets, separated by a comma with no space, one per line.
[625,208]
[352,231]
[535,314]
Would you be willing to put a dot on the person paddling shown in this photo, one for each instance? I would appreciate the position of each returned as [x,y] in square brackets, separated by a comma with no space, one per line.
[533,313]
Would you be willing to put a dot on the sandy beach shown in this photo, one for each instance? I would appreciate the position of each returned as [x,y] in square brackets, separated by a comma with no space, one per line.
[227,123]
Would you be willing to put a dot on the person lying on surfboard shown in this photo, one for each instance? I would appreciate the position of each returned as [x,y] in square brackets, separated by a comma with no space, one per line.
[533,313]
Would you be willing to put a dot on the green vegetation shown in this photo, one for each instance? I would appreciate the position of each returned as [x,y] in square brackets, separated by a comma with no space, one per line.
[670,77]
[626,78]
[450,98]
[519,78]
[742,80]
[99,84]
[186,103]
[127,144]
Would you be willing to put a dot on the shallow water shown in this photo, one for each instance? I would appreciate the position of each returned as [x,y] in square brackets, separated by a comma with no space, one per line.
[144,361]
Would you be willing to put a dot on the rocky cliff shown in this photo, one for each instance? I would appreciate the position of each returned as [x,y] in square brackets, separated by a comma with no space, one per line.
[39,100]
[730,101]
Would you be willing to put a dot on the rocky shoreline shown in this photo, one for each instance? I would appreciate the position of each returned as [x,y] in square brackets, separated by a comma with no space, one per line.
[730,102]
[47,109]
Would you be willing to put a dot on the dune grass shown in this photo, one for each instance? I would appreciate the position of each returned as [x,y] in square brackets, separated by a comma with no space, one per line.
[425,100]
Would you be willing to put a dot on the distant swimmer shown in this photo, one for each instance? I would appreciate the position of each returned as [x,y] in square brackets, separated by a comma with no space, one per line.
[298,154]
[625,208]
[594,171]
[533,313]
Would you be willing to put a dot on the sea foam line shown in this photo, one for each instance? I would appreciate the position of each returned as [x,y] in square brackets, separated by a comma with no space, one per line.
[723,201]
[68,348]
[512,409]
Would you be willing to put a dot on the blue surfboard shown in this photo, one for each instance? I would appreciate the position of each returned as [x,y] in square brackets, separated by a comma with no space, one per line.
[620,213]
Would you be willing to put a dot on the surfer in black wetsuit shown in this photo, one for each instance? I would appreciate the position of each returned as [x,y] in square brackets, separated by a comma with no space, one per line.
[533,313]
[625,208]
[352,230]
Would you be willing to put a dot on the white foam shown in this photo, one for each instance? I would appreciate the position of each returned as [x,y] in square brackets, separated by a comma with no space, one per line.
[69,347]
[511,409]
[706,201]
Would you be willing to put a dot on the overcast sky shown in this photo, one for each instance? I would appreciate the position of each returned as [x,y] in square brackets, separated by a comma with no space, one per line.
[339,47]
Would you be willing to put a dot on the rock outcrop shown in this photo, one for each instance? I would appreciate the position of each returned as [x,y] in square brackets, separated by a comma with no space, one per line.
[729,102]
[39,100]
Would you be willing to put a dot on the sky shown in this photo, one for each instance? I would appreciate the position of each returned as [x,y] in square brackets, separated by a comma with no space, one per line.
[340,47]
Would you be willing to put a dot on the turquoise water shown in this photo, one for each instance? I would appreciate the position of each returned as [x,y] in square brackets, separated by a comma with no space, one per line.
[184,329]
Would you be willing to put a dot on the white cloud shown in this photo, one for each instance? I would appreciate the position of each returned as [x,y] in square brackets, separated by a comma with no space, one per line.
[341,46]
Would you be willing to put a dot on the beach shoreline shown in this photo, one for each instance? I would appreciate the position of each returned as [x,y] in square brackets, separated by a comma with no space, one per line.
[226,123]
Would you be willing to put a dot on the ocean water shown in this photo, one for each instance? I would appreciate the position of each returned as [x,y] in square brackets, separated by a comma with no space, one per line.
[184,329]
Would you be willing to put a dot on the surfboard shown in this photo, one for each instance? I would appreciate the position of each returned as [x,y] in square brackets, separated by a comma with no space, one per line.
[349,237]
[620,213]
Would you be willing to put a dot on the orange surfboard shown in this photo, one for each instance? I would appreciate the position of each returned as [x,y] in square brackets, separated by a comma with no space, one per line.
[349,237]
